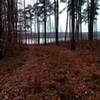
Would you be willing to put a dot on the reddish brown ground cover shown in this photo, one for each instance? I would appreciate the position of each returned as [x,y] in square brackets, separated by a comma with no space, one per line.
[52,73]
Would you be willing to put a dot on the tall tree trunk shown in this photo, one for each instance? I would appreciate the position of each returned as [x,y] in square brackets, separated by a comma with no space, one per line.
[80,24]
[56,20]
[35,33]
[31,37]
[77,23]
[12,24]
[45,22]
[16,19]
[8,47]
[1,29]
[25,37]
[66,26]
[38,29]
[50,28]
[91,20]
[73,26]
[88,17]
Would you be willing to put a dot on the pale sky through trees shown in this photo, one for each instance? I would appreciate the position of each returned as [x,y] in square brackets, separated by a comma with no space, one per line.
[62,17]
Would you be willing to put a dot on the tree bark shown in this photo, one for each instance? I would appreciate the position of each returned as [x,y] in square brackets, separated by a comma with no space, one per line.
[73,31]
[66,26]
[56,21]
[45,23]
[91,20]
[38,29]
[1,29]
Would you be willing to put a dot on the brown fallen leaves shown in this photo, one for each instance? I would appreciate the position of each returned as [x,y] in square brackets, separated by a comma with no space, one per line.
[52,73]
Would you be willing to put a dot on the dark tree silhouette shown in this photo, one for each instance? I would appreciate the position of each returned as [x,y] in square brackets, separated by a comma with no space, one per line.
[78,15]
[73,26]
[44,4]
[91,20]
[89,15]
[7,26]
[0,29]
[56,10]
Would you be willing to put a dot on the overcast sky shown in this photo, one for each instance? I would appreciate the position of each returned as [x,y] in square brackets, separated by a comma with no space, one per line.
[62,17]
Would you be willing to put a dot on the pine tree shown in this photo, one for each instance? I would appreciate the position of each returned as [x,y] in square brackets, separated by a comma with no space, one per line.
[89,16]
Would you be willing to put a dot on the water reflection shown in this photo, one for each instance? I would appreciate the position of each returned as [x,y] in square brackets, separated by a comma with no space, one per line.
[42,41]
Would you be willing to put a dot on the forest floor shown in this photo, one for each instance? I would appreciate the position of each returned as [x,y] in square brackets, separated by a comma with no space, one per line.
[50,72]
